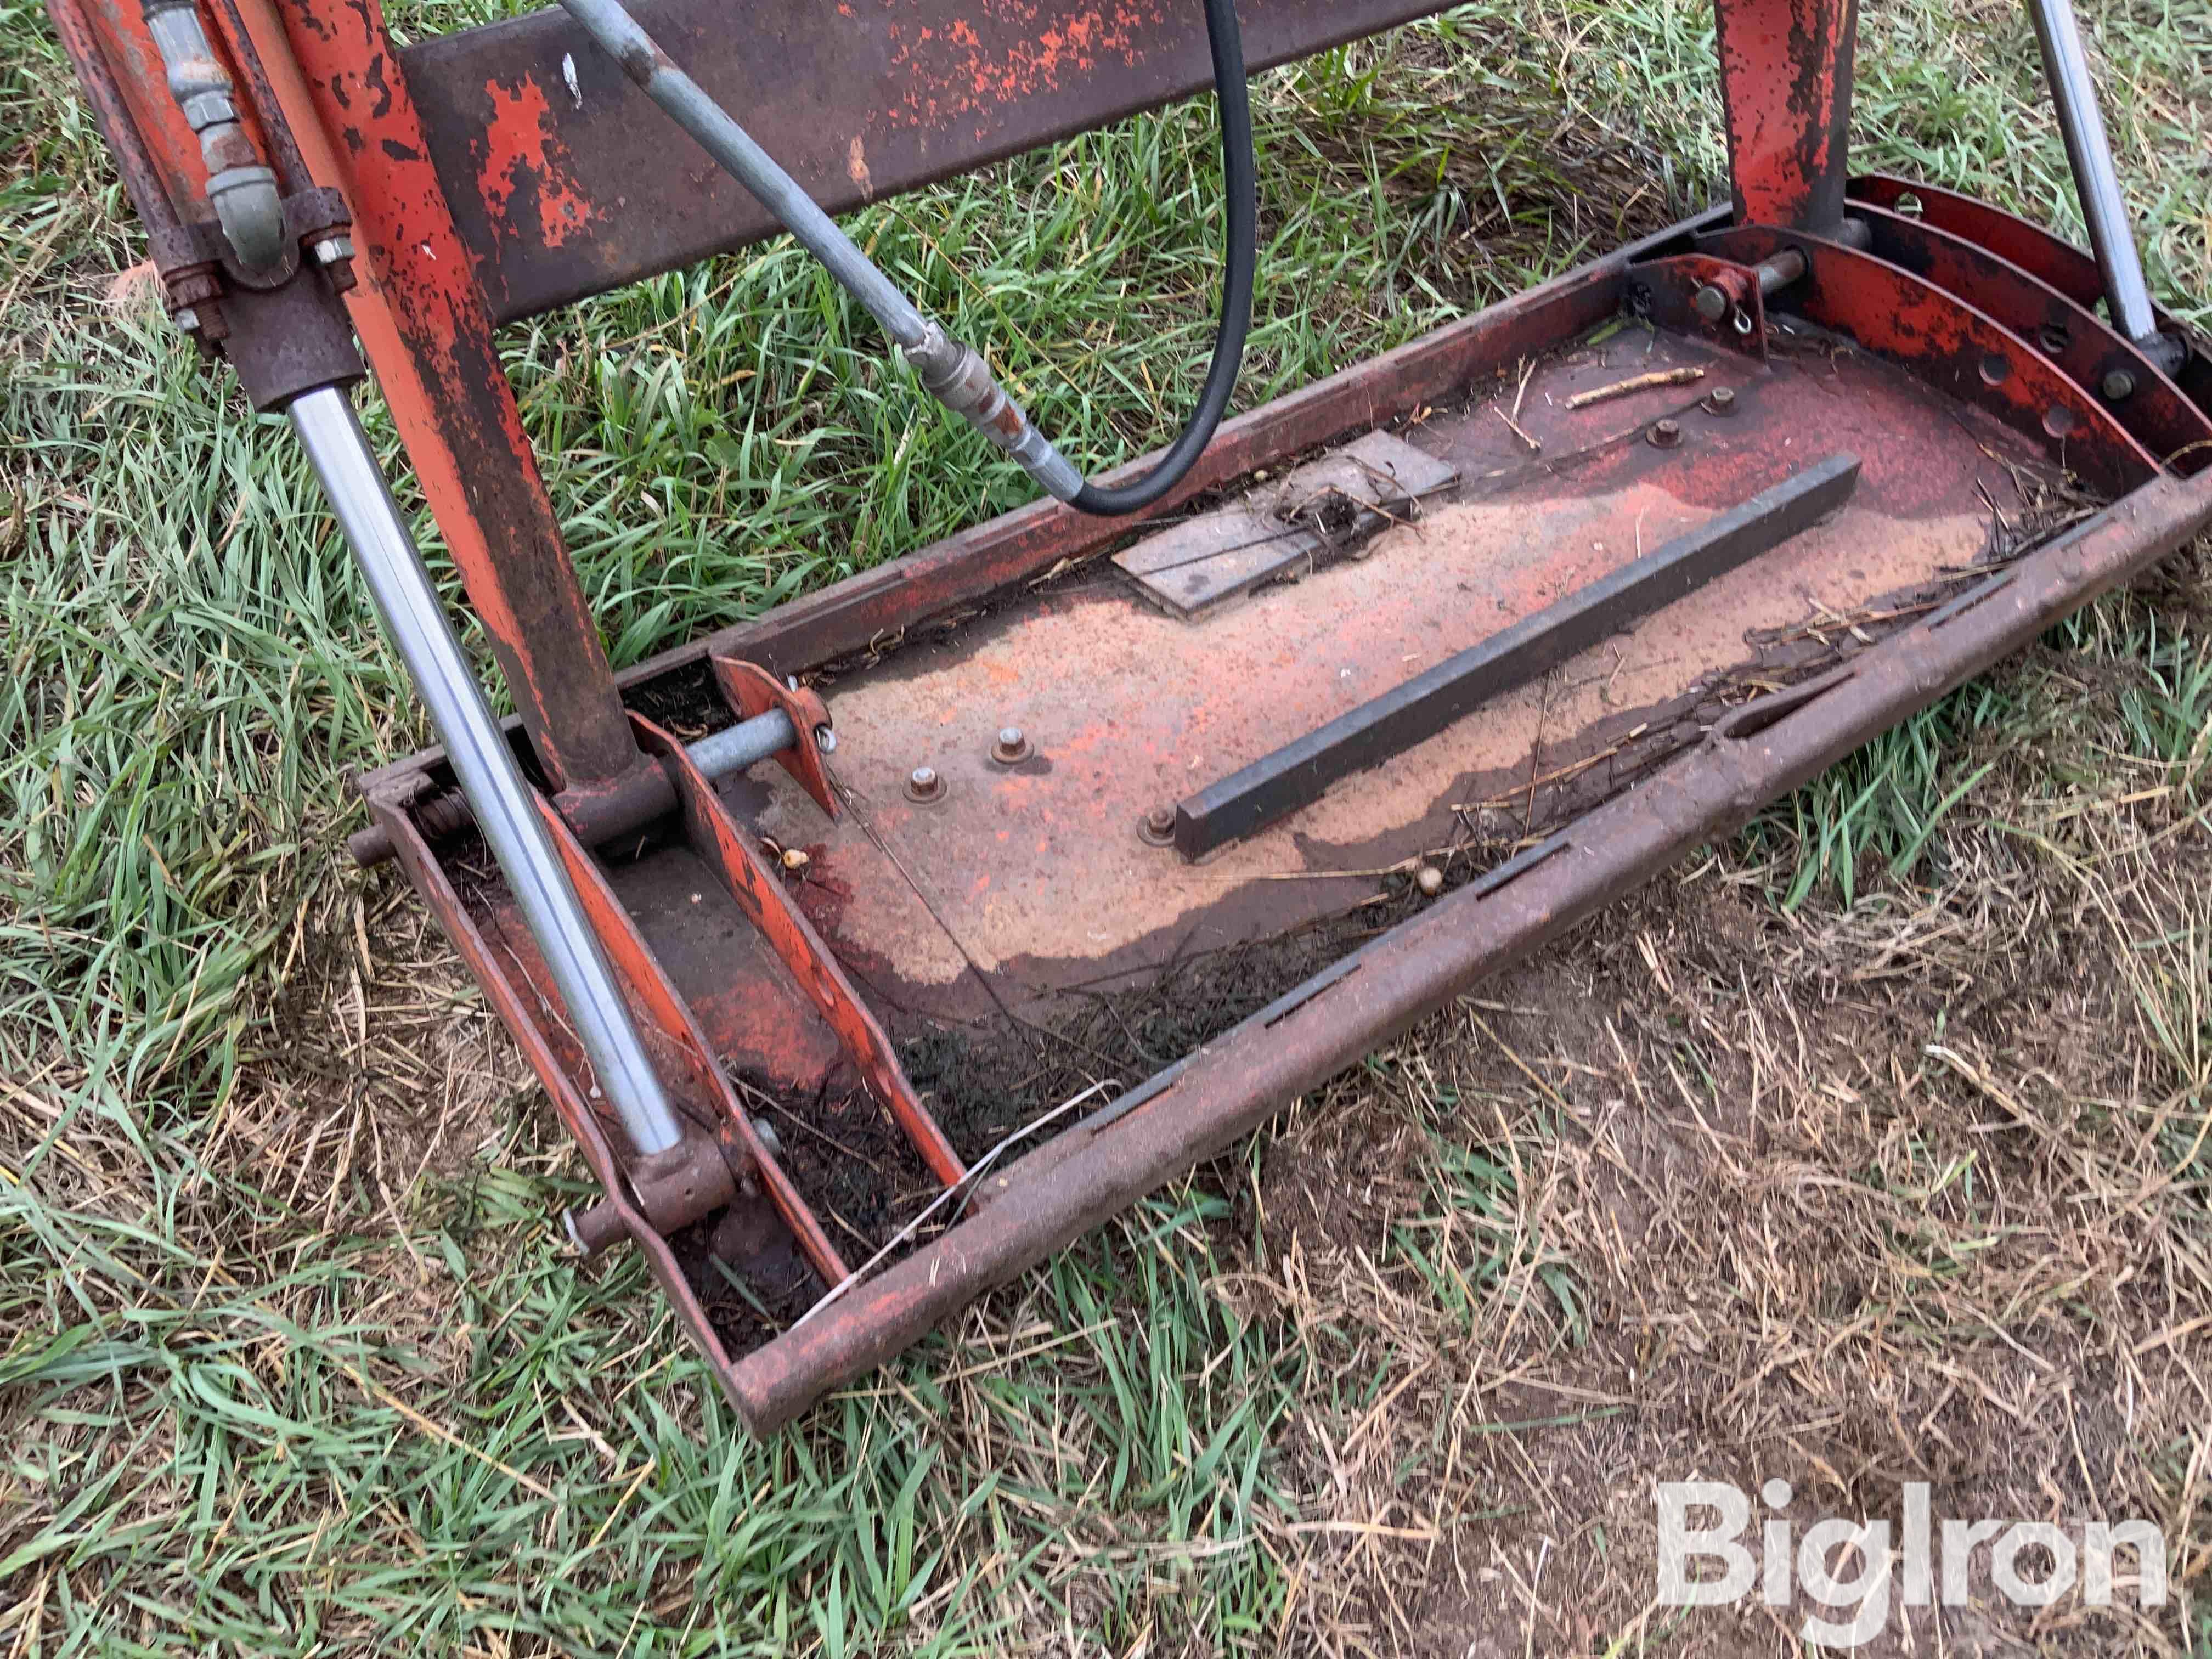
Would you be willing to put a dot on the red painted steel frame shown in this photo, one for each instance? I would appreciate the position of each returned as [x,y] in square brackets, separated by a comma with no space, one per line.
[421,313]
[1991,311]
[1786,85]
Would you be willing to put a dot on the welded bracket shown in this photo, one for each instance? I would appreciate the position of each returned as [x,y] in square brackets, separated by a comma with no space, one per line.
[752,691]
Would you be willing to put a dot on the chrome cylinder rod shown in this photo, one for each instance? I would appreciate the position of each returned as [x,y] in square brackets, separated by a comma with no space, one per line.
[505,806]
[2089,152]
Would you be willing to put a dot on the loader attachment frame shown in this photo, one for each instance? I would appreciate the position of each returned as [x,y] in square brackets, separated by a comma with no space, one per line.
[1449,648]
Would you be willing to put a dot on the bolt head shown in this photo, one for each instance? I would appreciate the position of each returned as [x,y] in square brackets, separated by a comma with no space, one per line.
[923,778]
[1012,747]
[1665,434]
[1721,400]
[923,786]
[1159,826]
[2119,387]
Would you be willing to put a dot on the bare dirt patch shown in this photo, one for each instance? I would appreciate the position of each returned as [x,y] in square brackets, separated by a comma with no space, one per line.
[1912,1193]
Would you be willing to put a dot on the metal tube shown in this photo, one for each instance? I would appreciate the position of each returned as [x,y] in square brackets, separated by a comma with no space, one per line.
[955,373]
[2095,181]
[732,749]
[506,810]
[736,747]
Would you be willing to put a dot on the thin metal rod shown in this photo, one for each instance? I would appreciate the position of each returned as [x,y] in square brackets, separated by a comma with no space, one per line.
[2095,180]
[718,754]
[506,809]
[736,747]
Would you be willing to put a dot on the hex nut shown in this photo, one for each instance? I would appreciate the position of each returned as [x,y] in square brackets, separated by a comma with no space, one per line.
[1721,400]
[1665,434]
[1158,826]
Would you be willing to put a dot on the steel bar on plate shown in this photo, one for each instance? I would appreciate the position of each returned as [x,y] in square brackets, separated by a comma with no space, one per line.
[1298,773]
[2074,93]
[506,810]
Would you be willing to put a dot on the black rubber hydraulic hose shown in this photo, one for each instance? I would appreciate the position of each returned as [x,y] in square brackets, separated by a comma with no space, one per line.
[1240,235]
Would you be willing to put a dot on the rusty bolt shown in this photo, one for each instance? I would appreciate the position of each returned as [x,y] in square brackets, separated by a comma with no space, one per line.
[334,254]
[1012,748]
[1665,434]
[1712,302]
[2119,387]
[923,785]
[1721,400]
[1430,880]
[1159,826]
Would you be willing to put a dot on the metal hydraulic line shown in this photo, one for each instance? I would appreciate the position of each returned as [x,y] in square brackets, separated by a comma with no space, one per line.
[954,373]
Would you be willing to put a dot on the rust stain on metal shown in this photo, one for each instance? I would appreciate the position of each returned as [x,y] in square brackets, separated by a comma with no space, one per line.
[1786,86]
[523,169]
[423,322]
[1940,338]
[952,70]
[1014,861]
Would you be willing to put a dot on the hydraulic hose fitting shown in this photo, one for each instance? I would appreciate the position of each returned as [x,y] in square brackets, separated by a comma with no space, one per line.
[240,188]
[956,376]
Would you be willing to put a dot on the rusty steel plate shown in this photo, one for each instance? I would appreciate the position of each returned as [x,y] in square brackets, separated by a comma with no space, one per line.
[1023,881]
[565,181]
[1035,875]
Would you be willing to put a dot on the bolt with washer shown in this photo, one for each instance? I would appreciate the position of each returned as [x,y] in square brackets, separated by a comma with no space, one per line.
[1721,400]
[1013,748]
[1159,826]
[2119,387]
[1665,434]
[924,785]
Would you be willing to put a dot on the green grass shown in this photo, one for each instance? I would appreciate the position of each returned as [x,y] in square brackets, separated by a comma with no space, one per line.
[242,1411]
